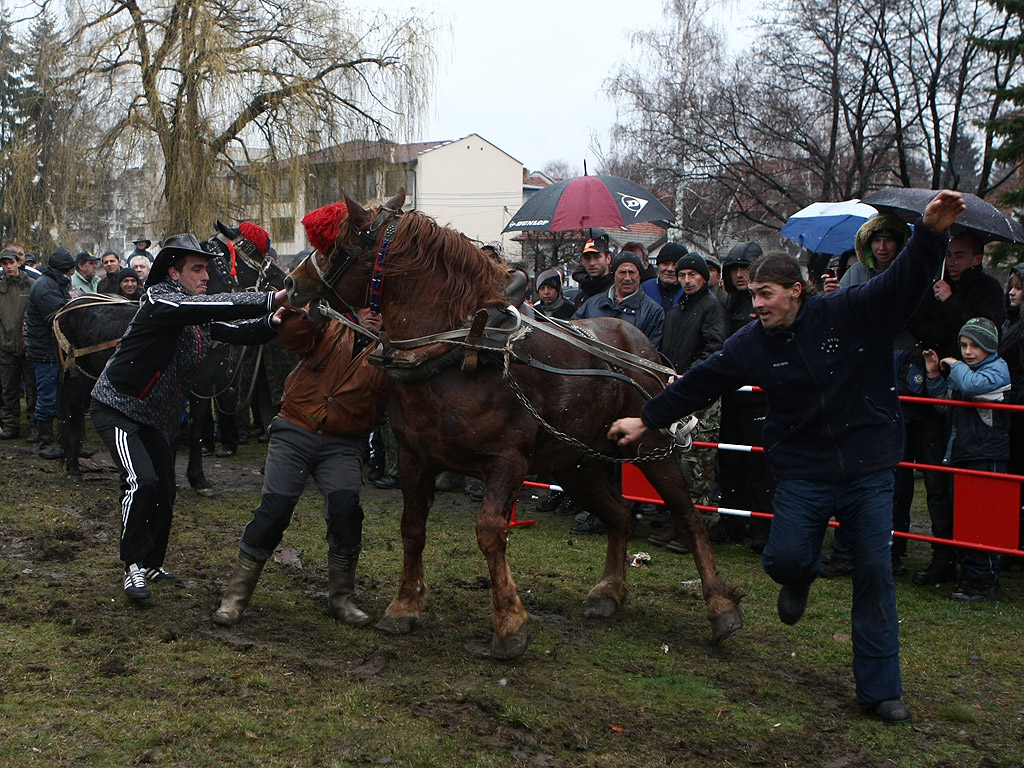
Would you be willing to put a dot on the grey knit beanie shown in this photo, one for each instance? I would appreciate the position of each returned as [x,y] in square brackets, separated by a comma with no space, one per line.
[982,332]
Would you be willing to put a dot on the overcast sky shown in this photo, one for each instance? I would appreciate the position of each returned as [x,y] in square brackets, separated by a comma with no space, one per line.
[527,75]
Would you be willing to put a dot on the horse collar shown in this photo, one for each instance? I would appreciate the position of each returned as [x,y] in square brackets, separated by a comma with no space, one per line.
[377,280]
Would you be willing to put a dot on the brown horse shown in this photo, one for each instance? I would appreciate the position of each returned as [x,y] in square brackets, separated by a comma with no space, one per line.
[461,410]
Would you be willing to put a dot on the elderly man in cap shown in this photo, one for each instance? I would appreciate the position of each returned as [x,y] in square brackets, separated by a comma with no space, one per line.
[85,280]
[14,289]
[140,394]
[665,288]
[625,300]
[48,294]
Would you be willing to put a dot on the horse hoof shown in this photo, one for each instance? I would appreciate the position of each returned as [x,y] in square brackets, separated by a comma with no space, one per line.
[205,491]
[396,625]
[726,625]
[511,647]
[600,607]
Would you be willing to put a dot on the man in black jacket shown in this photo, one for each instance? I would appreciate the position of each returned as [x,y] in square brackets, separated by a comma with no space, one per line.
[963,291]
[695,328]
[596,276]
[50,292]
[745,478]
[140,393]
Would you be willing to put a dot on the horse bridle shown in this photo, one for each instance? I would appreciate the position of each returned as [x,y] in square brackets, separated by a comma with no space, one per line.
[244,249]
[343,257]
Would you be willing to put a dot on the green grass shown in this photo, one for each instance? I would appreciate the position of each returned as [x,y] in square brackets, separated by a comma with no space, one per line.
[88,679]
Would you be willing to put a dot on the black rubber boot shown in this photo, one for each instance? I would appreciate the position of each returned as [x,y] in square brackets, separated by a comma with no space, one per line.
[341,579]
[47,450]
[239,591]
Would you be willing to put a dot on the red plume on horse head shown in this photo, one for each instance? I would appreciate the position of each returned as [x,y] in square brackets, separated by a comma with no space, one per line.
[257,234]
[322,225]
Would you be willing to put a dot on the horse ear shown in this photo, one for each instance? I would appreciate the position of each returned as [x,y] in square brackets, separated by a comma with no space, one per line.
[396,202]
[357,215]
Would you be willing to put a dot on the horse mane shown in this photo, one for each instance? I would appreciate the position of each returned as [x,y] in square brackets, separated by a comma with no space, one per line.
[470,279]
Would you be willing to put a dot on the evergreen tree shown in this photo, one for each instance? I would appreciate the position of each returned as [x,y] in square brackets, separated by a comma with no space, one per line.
[1010,126]
[10,98]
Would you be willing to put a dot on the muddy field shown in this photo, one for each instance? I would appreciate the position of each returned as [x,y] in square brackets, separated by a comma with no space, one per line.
[87,678]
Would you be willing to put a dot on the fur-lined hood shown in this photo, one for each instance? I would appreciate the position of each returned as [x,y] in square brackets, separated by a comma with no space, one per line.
[862,241]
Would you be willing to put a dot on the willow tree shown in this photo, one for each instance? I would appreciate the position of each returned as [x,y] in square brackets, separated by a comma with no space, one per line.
[195,86]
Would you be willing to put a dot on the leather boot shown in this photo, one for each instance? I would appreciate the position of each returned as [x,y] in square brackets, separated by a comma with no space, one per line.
[47,450]
[341,581]
[239,590]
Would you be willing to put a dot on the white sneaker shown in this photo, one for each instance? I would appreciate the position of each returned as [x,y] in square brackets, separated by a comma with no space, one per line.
[135,585]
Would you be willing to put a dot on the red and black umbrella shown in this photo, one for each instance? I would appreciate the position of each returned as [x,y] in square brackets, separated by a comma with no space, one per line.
[588,201]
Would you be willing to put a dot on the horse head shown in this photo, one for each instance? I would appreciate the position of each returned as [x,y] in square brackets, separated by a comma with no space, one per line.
[346,239]
[242,259]
[388,260]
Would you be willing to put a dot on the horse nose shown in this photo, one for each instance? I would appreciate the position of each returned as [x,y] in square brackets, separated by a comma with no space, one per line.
[289,284]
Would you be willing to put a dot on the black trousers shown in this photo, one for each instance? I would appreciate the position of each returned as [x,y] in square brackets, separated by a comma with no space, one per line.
[144,459]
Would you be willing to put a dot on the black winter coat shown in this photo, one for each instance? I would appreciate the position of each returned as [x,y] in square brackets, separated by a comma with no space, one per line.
[937,324]
[695,329]
[49,293]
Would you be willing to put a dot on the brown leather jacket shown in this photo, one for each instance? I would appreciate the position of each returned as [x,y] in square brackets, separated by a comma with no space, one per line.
[331,391]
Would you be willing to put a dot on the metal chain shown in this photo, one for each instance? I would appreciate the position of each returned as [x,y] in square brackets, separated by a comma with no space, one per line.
[656,455]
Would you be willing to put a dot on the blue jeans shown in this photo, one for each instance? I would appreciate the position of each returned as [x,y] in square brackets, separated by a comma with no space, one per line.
[863,507]
[46,390]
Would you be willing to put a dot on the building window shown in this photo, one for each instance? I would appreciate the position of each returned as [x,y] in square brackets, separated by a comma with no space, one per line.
[282,229]
[284,191]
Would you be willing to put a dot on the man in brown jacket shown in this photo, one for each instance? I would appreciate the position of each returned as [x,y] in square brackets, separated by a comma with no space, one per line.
[332,401]
[14,288]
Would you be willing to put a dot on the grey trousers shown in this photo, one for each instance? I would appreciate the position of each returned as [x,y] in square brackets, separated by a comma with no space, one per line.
[293,454]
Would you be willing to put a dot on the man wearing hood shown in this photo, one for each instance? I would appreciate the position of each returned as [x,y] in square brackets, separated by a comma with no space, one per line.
[48,294]
[596,275]
[548,292]
[878,242]
[142,390]
[665,288]
[745,478]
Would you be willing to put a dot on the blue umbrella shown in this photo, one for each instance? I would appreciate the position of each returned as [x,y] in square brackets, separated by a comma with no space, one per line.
[827,227]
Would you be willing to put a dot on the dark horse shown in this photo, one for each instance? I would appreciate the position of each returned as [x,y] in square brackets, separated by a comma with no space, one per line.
[89,327]
[497,413]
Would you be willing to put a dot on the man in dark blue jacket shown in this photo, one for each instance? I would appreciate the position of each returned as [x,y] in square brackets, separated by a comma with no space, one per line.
[833,432]
[141,392]
[48,294]
[625,300]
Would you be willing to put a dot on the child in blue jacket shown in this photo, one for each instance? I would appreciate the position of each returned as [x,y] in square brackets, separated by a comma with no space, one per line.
[979,437]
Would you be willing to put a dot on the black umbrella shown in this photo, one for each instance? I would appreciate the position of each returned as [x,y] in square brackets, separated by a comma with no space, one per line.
[588,201]
[981,218]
